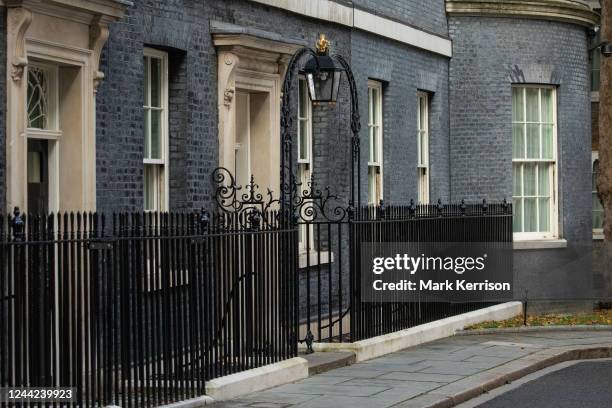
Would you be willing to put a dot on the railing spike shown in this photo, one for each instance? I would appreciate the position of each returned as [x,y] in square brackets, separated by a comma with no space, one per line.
[18,225]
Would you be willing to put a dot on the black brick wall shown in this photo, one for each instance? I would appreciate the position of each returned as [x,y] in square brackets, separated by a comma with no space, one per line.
[403,70]
[489,55]
[429,15]
[182,26]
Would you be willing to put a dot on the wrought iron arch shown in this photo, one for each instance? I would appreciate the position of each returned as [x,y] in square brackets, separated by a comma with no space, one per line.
[293,199]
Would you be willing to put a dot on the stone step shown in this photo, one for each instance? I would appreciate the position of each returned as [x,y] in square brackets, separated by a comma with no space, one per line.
[324,361]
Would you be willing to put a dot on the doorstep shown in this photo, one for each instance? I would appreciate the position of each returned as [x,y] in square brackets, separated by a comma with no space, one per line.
[319,363]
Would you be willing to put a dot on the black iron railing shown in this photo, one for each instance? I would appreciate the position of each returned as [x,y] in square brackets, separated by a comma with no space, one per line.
[142,309]
[331,307]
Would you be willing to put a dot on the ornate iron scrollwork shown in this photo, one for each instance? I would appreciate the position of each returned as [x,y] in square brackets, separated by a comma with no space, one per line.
[253,208]
[247,204]
[313,203]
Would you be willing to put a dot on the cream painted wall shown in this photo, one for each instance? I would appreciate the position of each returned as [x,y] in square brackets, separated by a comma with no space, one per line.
[69,34]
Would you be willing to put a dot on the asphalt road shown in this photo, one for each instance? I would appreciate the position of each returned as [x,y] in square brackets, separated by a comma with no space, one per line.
[585,384]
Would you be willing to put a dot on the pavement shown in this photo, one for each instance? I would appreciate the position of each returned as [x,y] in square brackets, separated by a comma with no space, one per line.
[442,373]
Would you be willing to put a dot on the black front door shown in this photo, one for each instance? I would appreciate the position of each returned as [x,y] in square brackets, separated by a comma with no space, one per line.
[38,176]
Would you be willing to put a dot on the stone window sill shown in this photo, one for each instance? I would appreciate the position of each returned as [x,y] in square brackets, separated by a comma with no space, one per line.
[540,244]
[325,257]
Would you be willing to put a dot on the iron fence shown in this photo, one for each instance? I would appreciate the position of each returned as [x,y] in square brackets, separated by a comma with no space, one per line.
[142,309]
[332,309]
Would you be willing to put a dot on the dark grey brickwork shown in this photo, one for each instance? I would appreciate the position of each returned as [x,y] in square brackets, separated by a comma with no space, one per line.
[429,15]
[182,27]
[489,55]
[403,70]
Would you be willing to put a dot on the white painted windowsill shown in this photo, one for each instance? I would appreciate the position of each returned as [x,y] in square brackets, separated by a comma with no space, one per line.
[540,244]
[316,258]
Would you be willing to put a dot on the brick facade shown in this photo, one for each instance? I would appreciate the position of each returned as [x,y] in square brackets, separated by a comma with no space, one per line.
[470,129]
[183,29]
[490,54]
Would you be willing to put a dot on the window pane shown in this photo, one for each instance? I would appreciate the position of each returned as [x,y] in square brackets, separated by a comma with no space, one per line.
[304,100]
[303,135]
[547,142]
[529,179]
[147,134]
[145,98]
[375,141]
[156,82]
[516,180]
[423,146]
[547,106]
[38,98]
[544,180]
[375,103]
[370,106]
[372,144]
[518,141]
[35,167]
[372,185]
[150,187]
[517,104]
[517,208]
[544,209]
[423,112]
[597,207]
[533,141]
[533,105]
[597,219]
[530,215]
[156,119]
[595,61]
[597,212]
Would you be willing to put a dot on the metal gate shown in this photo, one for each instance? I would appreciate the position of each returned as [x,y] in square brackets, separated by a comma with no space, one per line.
[326,262]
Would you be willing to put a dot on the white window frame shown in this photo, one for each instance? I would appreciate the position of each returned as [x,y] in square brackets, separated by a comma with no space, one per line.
[305,167]
[553,176]
[375,179]
[53,133]
[423,148]
[163,203]
[597,232]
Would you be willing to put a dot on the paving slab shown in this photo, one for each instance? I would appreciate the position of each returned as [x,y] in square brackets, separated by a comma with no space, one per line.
[439,374]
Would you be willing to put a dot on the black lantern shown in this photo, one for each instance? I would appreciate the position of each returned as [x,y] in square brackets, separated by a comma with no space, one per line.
[322,75]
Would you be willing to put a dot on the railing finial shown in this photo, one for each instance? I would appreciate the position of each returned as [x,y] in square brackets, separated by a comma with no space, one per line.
[18,225]
[382,210]
[411,209]
[204,218]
